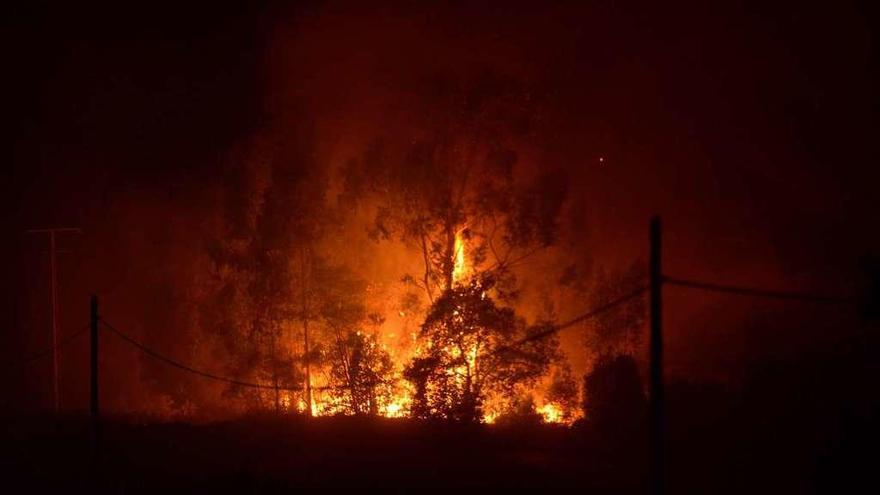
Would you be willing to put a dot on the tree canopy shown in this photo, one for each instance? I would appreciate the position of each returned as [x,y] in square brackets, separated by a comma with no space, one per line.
[472,349]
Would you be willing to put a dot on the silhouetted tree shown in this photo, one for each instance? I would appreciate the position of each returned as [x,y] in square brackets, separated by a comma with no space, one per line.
[470,349]
[270,198]
[360,371]
[451,190]
[363,371]
[618,331]
[563,392]
[521,412]
[613,397]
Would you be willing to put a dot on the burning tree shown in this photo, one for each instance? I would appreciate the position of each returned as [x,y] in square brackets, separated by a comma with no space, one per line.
[472,349]
[454,183]
[452,192]
[269,191]
[361,372]
[562,395]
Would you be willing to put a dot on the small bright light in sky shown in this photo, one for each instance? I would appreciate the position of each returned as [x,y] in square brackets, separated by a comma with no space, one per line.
[601,159]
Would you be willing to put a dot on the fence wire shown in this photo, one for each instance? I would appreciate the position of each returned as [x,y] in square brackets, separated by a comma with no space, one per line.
[48,351]
[204,374]
[758,292]
[233,381]
[585,316]
[692,284]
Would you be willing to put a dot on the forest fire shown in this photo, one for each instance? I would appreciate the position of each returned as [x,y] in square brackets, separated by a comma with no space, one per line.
[396,278]
[441,247]
[394,398]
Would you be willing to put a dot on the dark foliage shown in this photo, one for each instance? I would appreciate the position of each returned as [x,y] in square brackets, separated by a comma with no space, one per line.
[614,400]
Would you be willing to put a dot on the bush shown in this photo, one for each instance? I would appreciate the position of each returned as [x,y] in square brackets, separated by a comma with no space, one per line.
[614,402]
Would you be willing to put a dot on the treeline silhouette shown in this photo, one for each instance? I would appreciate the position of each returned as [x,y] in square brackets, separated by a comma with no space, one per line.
[798,422]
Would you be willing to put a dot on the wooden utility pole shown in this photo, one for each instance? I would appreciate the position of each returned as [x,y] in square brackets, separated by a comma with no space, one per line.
[657,408]
[54,298]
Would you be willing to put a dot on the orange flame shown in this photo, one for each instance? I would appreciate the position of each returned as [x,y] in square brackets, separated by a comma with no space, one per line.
[459,268]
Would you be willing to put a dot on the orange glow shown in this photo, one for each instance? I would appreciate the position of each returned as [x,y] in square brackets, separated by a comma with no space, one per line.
[398,404]
[397,408]
[551,413]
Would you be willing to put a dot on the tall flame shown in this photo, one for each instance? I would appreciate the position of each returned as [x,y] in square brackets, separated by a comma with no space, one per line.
[459,268]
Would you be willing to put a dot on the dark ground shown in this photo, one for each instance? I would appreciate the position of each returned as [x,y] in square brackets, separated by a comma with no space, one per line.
[808,424]
[729,453]
[289,454]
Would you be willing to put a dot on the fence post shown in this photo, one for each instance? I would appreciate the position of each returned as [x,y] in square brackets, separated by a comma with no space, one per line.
[656,362]
[93,409]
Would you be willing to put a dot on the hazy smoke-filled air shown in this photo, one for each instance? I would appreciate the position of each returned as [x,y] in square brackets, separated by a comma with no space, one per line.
[165,137]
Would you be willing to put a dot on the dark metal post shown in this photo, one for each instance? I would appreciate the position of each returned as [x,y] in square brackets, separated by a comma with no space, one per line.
[657,409]
[55,381]
[94,362]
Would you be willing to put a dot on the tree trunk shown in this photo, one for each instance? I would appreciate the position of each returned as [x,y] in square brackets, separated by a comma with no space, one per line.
[427,277]
[274,352]
[308,368]
[449,256]
[304,274]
